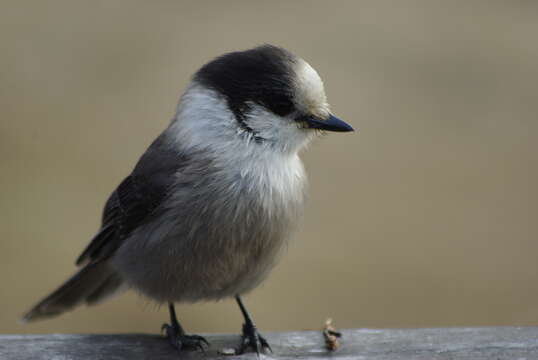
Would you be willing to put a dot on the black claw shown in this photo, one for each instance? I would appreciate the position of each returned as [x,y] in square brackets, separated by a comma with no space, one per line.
[251,338]
[182,341]
[265,344]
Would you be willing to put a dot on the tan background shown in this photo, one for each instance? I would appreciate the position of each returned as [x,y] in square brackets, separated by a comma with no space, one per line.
[426,217]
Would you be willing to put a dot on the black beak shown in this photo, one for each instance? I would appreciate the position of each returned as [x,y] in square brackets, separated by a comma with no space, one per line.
[332,123]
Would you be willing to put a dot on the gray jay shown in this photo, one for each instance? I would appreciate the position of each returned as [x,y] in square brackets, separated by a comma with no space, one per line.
[211,203]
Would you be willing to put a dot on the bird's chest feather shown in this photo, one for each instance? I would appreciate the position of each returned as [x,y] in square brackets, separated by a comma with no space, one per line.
[246,215]
[220,233]
[245,221]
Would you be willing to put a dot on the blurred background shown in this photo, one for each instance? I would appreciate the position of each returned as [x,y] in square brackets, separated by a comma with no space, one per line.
[426,217]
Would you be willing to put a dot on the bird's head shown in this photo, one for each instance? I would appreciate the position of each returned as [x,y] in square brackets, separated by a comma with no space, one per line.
[264,95]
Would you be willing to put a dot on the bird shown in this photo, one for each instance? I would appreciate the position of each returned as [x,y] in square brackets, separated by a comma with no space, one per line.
[213,201]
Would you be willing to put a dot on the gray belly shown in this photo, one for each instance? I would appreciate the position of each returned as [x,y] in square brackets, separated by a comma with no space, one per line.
[206,252]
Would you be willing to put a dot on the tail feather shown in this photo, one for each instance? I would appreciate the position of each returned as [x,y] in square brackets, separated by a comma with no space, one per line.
[108,288]
[89,285]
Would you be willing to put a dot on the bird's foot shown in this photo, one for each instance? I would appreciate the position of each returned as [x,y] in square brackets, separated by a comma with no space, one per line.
[251,338]
[182,341]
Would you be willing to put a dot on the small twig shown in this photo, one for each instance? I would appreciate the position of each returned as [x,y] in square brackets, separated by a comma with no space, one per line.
[331,336]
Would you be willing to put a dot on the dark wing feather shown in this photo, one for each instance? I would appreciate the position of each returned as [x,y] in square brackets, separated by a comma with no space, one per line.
[138,195]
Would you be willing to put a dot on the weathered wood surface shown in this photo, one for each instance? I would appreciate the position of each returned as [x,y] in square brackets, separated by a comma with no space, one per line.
[396,344]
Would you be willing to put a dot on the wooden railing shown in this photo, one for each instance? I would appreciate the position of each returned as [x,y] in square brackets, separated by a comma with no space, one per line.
[495,343]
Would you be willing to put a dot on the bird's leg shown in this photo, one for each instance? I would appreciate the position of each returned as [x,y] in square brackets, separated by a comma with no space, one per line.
[177,336]
[251,338]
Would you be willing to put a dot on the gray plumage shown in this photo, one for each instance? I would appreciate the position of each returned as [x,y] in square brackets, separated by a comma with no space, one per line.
[212,202]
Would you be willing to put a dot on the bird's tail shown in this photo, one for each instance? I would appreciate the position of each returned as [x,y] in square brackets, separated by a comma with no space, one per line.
[90,285]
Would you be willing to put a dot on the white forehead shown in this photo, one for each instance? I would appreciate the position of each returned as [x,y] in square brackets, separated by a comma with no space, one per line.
[309,91]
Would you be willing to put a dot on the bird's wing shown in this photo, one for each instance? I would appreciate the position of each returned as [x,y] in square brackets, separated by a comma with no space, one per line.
[135,199]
